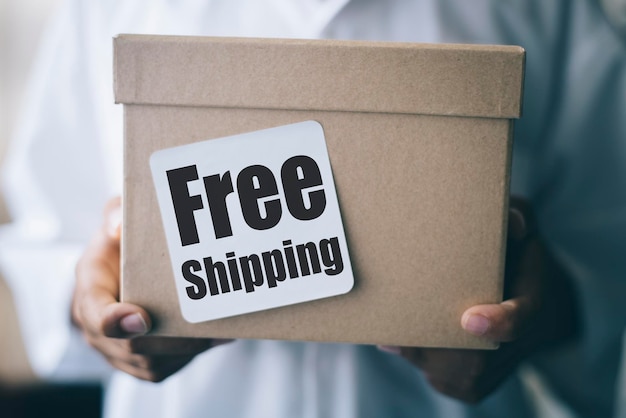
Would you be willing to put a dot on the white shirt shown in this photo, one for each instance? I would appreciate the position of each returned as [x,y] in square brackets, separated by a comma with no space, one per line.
[569,159]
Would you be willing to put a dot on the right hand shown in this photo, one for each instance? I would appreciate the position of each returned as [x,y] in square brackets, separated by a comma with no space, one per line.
[116,329]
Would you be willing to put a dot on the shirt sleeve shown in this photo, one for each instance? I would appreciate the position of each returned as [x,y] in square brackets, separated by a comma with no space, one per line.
[55,190]
[573,171]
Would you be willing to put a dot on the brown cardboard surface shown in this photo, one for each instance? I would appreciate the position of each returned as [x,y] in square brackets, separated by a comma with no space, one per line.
[419,138]
[461,80]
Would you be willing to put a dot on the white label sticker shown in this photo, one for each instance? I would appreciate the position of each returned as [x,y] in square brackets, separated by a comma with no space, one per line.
[252,221]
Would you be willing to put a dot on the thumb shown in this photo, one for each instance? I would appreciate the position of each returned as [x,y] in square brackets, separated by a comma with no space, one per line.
[124,320]
[95,304]
[501,322]
[97,309]
[119,320]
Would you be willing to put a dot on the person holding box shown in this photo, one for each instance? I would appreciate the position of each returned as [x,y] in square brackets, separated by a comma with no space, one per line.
[563,313]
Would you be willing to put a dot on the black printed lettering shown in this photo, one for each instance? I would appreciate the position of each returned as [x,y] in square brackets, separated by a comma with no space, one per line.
[274,267]
[331,256]
[184,204]
[270,267]
[255,183]
[251,272]
[299,173]
[308,252]
[210,270]
[216,190]
[198,290]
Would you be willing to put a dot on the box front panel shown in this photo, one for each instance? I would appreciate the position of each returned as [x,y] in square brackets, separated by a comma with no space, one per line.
[423,200]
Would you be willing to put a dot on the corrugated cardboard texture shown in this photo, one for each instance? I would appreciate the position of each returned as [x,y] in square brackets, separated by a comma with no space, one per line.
[461,80]
[423,194]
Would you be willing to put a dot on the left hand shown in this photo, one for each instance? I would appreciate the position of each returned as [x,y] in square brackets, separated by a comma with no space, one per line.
[538,311]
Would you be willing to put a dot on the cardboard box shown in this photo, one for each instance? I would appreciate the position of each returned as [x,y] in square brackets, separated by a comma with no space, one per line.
[419,137]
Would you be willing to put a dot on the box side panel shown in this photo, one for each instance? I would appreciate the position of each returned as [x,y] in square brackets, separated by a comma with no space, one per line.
[423,199]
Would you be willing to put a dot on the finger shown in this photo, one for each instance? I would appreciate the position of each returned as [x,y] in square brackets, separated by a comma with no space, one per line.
[448,362]
[110,347]
[221,341]
[113,218]
[522,220]
[496,367]
[468,375]
[118,351]
[124,320]
[470,393]
[97,309]
[155,363]
[173,345]
[391,349]
[157,374]
[499,322]
[518,228]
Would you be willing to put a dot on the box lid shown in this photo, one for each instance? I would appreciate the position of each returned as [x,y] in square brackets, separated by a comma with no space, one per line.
[355,76]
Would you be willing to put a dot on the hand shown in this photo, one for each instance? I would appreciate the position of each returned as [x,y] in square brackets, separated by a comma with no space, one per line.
[116,329]
[539,310]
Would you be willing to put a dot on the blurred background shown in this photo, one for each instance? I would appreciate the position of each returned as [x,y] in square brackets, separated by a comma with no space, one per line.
[21,24]
[21,394]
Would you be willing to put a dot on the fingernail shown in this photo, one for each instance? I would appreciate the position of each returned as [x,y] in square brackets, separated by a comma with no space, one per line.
[476,324]
[133,324]
[114,222]
[391,349]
